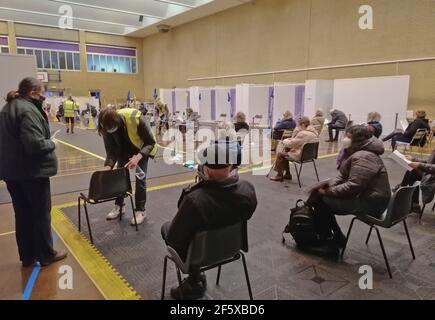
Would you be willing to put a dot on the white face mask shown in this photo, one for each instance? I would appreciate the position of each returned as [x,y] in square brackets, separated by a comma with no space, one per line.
[113,130]
[346,143]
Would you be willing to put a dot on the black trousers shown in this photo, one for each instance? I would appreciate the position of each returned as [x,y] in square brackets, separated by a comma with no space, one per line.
[140,196]
[337,129]
[409,179]
[396,136]
[32,205]
[195,274]
[69,120]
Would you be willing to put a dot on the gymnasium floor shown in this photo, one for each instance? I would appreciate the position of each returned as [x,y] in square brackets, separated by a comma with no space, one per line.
[125,264]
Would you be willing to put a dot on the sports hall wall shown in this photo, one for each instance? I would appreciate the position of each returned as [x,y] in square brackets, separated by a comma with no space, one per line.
[275,35]
[113,86]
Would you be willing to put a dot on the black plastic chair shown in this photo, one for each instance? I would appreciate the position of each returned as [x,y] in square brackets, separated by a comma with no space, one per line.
[208,251]
[398,211]
[106,186]
[310,153]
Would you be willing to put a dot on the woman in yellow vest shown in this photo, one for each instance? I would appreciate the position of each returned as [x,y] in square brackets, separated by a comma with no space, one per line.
[129,142]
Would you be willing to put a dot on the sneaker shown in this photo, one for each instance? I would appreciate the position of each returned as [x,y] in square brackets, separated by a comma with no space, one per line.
[140,218]
[60,255]
[288,177]
[188,291]
[114,214]
[277,178]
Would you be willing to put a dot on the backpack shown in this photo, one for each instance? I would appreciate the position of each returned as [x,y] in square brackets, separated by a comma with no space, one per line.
[302,225]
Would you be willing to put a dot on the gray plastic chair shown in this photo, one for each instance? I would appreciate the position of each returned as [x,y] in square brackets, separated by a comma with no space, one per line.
[208,251]
[106,186]
[310,152]
[398,211]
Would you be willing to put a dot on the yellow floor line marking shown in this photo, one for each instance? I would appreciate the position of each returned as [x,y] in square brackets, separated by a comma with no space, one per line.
[80,149]
[7,233]
[104,276]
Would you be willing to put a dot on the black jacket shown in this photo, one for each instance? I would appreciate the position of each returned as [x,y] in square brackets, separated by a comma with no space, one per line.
[210,205]
[26,150]
[339,119]
[363,174]
[241,126]
[120,148]
[415,125]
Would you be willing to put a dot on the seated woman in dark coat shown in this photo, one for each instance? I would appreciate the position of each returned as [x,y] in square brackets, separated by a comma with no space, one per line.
[287,123]
[362,186]
[374,124]
[419,123]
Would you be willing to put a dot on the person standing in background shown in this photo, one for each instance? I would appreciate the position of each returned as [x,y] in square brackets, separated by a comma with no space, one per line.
[69,113]
[27,162]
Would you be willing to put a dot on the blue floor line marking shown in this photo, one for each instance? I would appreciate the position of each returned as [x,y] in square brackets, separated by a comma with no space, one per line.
[31,282]
[34,276]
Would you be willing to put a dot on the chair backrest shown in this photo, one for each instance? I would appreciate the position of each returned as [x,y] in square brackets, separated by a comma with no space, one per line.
[310,151]
[419,136]
[286,134]
[349,124]
[257,119]
[400,205]
[214,246]
[107,185]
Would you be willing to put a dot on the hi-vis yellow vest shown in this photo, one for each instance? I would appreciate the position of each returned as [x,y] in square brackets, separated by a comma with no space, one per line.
[132,120]
[68,107]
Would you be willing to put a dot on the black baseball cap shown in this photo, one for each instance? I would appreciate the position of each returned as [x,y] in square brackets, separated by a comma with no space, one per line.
[219,155]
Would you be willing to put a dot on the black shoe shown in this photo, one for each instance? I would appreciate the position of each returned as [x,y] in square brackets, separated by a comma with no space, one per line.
[328,250]
[67,130]
[27,264]
[416,208]
[60,255]
[203,280]
[188,291]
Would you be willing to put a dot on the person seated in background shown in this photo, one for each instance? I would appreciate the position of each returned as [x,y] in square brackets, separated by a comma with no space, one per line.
[190,116]
[374,124]
[318,121]
[338,122]
[287,123]
[424,171]
[398,135]
[293,149]
[60,113]
[218,201]
[240,122]
[362,186]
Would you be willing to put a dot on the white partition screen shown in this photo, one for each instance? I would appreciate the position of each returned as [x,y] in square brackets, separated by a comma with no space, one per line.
[224,103]
[15,68]
[386,95]
[319,94]
[205,104]
[167,96]
[288,96]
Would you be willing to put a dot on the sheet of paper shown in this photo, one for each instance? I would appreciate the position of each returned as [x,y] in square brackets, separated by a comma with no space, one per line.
[404,124]
[400,159]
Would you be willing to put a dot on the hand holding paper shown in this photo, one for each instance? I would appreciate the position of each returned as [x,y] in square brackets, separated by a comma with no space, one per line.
[402,160]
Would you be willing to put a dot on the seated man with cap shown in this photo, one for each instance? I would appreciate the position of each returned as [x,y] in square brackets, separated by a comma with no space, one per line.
[217,201]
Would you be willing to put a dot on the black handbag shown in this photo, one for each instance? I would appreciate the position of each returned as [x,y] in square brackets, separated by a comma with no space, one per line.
[301,225]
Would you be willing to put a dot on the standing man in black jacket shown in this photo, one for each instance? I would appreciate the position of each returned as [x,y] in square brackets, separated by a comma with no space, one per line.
[27,162]
[218,201]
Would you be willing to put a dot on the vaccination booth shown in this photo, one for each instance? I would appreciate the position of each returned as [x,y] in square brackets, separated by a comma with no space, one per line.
[288,96]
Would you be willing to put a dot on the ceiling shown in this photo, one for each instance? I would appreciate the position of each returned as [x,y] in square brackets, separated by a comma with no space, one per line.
[138,18]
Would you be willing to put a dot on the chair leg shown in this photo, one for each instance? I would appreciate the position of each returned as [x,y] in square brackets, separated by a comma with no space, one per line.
[347,236]
[247,276]
[271,169]
[368,236]
[383,252]
[134,212]
[433,208]
[79,215]
[218,275]
[409,239]
[89,225]
[165,266]
[315,168]
[297,174]
[422,211]
[178,275]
